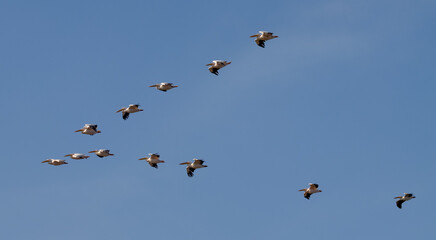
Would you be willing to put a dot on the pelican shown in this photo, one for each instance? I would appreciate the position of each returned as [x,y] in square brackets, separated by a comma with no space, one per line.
[77,156]
[406,197]
[262,37]
[191,166]
[89,129]
[313,188]
[132,108]
[216,65]
[55,162]
[153,160]
[102,153]
[164,86]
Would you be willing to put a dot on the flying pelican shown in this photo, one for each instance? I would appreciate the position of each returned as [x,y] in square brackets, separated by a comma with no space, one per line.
[216,65]
[164,86]
[406,197]
[89,129]
[313,188]
[132,108]
[262,37]
[102,153]
[77,156]
[191,166]
[153,160]
[55,162]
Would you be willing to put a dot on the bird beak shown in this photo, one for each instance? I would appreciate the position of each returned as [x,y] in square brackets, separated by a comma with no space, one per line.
[93,151]
[229,63]
[253,35]
[210,64]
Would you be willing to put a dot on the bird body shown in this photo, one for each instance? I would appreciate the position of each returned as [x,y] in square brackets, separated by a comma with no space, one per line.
[102,153]
[262,37]
[216,65]
[132,108]
[313,188]
[191,166]
[153,160]
[77,156]
[406,197]
[55,162]
[89,129]
[164,86]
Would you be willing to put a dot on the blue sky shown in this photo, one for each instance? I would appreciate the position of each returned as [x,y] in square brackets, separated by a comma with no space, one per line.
[343,98]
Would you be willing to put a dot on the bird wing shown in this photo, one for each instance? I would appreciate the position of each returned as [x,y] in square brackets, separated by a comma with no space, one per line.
[307,195]
[154,165]
[399,203]
[190,171]
[125,115]
[313,186]
[199,161]
[408,195]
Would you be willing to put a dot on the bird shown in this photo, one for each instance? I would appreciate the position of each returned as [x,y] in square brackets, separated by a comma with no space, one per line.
[77,156]
[89,129]
[313,188]
[55,162]
[132,108]
[164,86]
[406,197]
[262,37]
[102,153]
[153,160]
[191,166]
[216,65]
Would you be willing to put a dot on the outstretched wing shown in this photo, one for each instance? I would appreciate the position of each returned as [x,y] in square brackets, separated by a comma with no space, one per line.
[190,171]
[153,165]
[198,161]
[126,115]
[399,203]
[307,195]
[214,71]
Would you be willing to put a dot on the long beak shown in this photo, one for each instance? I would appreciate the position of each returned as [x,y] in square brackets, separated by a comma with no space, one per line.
[397,197]
[183,163]
[142,159]
[45,161]
[154,86]
[98,131]
[254,35]
[79,130]
[110,154]
[302,189]
[120,110]
[175,86]
[140,110]
[228,63]
[210,64]
[93,151]
[68,155]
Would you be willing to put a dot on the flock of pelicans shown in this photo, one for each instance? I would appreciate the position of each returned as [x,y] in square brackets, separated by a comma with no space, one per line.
[154,158]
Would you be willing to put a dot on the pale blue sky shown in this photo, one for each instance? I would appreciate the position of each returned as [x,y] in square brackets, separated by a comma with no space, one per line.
[343,98]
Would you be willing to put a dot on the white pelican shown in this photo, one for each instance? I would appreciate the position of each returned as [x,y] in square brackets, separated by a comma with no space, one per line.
[406,197]
[263,36]
[55,162]
[102,153]
[191,166]
[313,188]
[216,65]
[153,160]
[77,156]
[164,86]
[89,129]
[132,108]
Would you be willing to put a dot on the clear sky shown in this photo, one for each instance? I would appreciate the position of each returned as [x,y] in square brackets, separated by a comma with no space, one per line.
[345,98]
